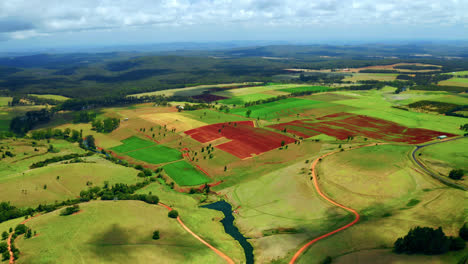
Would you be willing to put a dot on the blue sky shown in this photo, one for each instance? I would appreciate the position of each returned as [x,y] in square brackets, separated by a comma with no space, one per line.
[28,24]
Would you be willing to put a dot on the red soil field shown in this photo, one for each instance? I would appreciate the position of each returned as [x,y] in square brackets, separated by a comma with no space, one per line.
[245,138]
[342,125]
[209,97]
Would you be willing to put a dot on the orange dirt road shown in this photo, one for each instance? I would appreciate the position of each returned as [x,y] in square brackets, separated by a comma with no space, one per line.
[12,258]
[221,254]
[356,215]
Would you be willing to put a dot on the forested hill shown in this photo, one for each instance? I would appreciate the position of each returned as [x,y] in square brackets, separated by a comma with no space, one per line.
[84,75]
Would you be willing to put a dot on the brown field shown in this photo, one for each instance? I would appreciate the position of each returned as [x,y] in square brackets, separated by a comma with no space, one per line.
[173,121]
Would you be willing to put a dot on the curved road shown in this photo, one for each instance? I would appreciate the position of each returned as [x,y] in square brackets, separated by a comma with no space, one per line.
[356,214]
[432,174]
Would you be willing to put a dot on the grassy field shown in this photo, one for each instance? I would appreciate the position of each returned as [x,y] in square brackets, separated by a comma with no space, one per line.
[4,101]
[242,99]
[132,143]
[41,186]
[256,90]
[455,81]
[114,232]
[306,89]
[444,157]
[391,198]
[155,155]
[51,96]
[189,91]
[374,103]
[285,107]
[212,116]
[356,77]
[184,174]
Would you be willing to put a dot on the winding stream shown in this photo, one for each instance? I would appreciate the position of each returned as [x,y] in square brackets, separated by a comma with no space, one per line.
[231,229]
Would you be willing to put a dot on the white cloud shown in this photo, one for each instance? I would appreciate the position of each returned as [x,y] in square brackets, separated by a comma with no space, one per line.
[53,16]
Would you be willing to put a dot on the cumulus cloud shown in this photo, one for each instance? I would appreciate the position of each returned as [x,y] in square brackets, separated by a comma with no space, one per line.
[29,18]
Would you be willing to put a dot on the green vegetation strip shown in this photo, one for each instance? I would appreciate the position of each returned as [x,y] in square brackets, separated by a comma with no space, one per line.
[306,89]
[185,174]
[271,110]
[242,99]
[132,143]
[155,155]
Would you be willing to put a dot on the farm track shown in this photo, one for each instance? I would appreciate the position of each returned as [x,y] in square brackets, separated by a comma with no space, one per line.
[12,258]
[356,214]
[221,254]
[428,171]
[317,188]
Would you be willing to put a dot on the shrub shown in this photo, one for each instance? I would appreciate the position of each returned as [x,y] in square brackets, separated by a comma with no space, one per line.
[156,235]
[456,174]
[173,214]
[3,247]
[70,210]
[4,235]
[457,243]
[21,229]
[424,240]
[464,231]
[327,260]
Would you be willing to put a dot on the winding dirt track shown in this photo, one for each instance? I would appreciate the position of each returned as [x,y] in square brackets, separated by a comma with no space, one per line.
[12,258]
[356,215]
[221,254]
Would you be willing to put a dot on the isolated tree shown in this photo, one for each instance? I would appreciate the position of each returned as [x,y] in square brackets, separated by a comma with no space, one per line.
[91,142]
[4,235]
[248,113]
[156,235]
[21,229]
[173,214]
[282,143]
[456,174]
[225,168]
[28,233]
[464,231]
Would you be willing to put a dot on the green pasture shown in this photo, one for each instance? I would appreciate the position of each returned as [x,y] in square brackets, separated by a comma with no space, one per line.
[41,186]
[356,77]
[255,90]
[412,96]
[155,155]
[391,197]
[459,73]
[8,113]
[51,96]
[189,91]
[455,81]
[4,101]
[132,143]
[446,156]
[285,107]
[373,103]
[184,174]
[240,100]
[119,231]
[306,89]
[212,116]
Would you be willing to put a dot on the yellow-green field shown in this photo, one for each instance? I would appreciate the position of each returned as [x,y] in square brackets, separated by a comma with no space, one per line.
[190,91]
[455,81]
[51,96]
[356,77]
[114,232]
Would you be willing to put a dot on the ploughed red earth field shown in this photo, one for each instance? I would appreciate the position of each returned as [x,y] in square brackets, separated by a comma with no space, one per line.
[245,138]
[343,125]
[208,97]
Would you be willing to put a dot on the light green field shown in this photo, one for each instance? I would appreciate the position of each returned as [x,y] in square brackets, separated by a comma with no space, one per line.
[412,96]
[115,232]
[27,189]
[240,100]
[155,155]
[373,103]
[51,96]
[132,143]
[184,174]
[391,198]
[255,90]
[455,81]
[444,157]
[285,107]
[356,77]
[306,89]
[458,73]
[386,256]
[212,117]
[189,91]
[4,101]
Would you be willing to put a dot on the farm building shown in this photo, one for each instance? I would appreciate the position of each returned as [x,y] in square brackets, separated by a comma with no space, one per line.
[442,137]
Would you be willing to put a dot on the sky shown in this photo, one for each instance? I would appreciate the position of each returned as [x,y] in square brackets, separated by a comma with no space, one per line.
[30,24]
